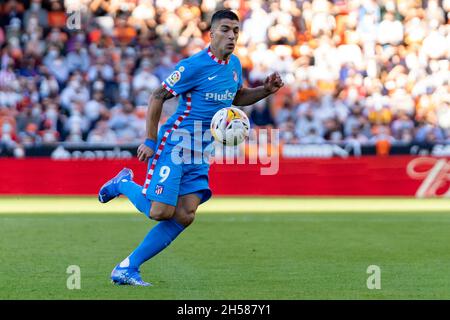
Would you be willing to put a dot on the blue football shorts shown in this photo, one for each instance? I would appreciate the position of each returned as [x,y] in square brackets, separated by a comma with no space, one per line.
[171,178]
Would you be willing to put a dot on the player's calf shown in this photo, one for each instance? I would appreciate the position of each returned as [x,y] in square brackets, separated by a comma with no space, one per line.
[186,207]
[185,217]
[161,211]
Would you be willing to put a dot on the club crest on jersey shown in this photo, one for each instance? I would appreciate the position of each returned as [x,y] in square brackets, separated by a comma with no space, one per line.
[173,78]
[159,189]
[235,76]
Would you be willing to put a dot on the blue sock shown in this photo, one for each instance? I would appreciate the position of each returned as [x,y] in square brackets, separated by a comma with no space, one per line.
[154,242]
[133,191]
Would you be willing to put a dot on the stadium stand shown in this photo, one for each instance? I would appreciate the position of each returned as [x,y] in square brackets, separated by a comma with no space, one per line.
[355,71]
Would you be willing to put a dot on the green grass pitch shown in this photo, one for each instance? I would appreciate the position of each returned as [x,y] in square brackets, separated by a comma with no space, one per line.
[238,248]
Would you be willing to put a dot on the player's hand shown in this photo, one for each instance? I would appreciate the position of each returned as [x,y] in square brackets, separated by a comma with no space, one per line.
[273,83]
[144,153]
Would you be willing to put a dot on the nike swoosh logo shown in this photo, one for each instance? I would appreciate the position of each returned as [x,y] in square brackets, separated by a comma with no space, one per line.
[210,78]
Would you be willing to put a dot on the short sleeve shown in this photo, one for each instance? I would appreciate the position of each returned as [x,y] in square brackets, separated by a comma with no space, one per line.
[181,79]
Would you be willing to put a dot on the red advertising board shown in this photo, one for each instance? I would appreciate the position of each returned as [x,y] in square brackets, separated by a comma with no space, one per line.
[364,176]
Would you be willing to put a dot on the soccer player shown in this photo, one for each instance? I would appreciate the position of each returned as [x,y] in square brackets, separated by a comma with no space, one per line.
[205,83]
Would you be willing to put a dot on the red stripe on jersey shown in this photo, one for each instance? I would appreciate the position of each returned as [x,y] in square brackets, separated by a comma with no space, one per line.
[165,86]
[215,58]
[163,142]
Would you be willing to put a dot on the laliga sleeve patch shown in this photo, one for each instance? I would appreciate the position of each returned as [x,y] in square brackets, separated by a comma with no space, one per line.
[173,78]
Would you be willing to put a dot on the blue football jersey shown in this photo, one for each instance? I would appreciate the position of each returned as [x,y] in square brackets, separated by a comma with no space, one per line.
[204,85]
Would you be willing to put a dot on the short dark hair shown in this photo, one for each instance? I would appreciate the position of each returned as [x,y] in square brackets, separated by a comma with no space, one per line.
[223,14]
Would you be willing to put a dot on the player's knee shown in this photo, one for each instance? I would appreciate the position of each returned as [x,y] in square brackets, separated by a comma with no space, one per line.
[161,213]
[186,217]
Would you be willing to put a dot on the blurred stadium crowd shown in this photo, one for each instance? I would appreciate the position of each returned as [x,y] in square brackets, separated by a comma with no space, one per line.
[355,70]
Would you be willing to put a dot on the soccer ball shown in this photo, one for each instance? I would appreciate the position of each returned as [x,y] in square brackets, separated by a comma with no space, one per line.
[230,126]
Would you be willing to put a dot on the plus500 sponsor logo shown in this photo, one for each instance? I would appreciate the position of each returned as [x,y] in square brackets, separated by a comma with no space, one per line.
[227,95]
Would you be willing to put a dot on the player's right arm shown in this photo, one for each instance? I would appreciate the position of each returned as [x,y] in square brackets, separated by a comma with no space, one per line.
[178,82]
[146,150]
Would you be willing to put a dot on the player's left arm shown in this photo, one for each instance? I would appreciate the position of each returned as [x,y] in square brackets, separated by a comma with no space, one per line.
[248,96]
